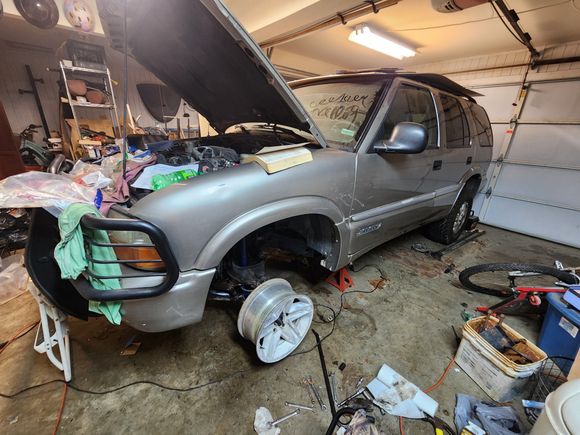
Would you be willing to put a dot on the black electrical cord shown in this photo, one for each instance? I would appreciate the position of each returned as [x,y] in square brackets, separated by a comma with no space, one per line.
[122,387]
[335,314]
[501,18]
[445,26]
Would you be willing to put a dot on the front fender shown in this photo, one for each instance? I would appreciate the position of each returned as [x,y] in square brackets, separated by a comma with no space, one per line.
[224,240]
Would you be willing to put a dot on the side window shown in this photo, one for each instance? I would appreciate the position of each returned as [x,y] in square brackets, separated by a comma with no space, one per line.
[412,104]
[455,123]
[482,125]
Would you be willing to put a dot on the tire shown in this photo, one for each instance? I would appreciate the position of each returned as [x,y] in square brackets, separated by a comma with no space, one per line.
[466,275]
[448,229]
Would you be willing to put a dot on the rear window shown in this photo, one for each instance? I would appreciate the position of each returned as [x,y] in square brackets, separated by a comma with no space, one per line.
[456,125]
[482,125]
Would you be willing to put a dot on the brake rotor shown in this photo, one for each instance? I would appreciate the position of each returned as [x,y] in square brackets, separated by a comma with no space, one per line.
[276,319]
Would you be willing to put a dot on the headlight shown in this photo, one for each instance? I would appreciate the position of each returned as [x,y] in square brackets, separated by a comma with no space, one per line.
[136,252]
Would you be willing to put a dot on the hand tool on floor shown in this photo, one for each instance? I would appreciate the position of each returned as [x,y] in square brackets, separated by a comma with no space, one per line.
[316,393]
[297,405]
[332,377]
[286,417]
[307,386]
[352,396]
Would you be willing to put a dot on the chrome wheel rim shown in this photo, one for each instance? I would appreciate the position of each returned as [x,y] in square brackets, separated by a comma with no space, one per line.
[276,319]
[461,217]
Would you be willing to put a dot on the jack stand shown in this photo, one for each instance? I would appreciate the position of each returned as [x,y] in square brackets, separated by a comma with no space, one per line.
[340,279]
[45,341]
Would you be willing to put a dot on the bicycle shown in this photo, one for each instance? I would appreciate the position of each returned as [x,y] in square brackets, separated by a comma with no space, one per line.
[519,299]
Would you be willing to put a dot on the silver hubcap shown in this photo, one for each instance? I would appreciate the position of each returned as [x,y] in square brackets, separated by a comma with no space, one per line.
[276,319]
[461,217]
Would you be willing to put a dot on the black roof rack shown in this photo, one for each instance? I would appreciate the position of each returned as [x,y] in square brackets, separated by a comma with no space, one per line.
[437,80]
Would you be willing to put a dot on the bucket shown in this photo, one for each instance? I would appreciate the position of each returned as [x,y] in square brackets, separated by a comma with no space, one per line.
[501,378]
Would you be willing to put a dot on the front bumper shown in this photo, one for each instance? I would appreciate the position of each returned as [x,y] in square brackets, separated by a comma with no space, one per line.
[152,301]
[181,306]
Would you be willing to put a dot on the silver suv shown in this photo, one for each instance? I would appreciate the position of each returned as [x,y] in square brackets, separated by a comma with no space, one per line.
[391,152]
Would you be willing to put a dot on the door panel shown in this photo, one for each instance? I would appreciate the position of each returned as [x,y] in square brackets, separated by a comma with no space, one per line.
[391,196]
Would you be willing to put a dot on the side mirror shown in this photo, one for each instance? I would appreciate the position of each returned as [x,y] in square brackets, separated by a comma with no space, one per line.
[407,138]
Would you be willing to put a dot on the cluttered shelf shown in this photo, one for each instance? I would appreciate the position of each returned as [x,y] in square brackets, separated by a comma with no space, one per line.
[84,70]
[87,104]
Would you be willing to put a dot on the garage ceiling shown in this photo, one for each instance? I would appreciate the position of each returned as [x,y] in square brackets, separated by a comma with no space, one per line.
[436,36]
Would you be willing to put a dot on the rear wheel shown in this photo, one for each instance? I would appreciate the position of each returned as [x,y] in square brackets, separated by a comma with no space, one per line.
[497,279]
[448,229]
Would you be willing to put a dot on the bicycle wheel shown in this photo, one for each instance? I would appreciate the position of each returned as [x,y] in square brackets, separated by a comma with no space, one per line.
[485,278]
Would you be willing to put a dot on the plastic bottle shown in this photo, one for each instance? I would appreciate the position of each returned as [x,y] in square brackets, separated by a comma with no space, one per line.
[161,181]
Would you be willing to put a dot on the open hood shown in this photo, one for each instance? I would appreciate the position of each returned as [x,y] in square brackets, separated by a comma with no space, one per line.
[199,49]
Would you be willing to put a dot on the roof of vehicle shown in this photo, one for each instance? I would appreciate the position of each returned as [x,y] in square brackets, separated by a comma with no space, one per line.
[436,80]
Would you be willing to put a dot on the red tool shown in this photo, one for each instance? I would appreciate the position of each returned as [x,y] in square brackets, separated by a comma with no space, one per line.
[340,279]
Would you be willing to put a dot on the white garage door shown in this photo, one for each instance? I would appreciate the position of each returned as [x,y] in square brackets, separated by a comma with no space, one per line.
[534,181]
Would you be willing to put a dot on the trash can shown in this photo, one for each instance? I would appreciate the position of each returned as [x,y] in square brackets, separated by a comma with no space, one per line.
[560,334]
[560,415]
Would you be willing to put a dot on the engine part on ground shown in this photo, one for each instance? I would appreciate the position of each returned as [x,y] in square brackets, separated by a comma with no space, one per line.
[276,319]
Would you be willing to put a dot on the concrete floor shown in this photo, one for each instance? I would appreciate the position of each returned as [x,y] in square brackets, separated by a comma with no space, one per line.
[406,324]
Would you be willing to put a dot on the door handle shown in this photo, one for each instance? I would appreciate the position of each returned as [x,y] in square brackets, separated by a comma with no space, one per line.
[437,165]
[469,160]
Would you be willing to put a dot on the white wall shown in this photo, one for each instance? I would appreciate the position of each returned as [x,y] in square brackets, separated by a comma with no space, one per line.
[507,75]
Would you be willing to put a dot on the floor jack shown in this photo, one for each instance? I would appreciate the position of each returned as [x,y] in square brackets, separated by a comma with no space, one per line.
[470,234]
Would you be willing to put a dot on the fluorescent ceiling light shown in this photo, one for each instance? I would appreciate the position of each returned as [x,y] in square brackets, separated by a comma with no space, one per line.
[363,35]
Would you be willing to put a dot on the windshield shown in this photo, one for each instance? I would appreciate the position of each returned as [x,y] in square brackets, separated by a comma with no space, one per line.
[339,109]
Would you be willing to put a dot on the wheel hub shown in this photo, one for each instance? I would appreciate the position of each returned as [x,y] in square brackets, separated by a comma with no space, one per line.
[276,319]
[461,217]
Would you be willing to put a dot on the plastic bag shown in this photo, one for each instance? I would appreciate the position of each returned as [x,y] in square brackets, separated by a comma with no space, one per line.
[41,189]
[495,420]
[13,278]
[89,175]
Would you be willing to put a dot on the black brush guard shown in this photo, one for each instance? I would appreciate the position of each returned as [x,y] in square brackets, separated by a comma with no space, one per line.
[159,242]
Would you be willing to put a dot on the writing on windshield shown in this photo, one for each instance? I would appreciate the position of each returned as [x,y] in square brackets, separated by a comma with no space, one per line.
[339,109]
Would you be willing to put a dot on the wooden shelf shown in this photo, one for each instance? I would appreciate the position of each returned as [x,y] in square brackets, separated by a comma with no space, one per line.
[84,70]
[87,104]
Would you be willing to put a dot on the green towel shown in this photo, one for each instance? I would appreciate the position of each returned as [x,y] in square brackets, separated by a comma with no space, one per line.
[72,260]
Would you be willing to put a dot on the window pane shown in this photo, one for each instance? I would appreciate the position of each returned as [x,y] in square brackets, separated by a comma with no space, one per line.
[412,104]
[339,109]
[482,125]
[455,123]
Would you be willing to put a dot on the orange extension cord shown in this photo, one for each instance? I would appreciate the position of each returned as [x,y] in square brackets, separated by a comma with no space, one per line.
[26,329]
[431,388]
[20,331]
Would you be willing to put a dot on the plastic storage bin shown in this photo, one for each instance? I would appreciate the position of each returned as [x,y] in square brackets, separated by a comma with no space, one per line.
[560,334]
[497,375]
